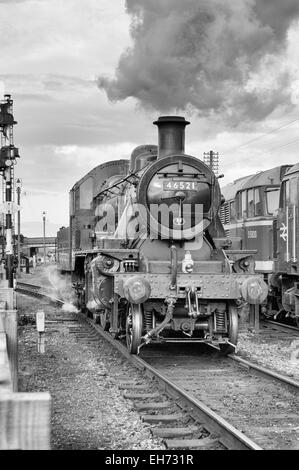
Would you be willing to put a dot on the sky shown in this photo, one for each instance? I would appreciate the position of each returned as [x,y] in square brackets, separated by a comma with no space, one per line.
[88,78]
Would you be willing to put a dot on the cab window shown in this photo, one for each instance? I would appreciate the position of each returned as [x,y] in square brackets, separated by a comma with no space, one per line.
[86,194]
[289,192]
[250,203]
[293,191]
[258,206]
[272,199]
[243,204]
[77,199]
[283,192]
[72,202]
[250,198]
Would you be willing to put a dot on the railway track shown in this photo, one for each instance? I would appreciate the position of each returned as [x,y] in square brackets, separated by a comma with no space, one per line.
[37,291]
[270,324]
[201,400]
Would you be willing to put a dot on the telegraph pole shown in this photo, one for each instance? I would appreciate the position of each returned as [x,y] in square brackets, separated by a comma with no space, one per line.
[44,235]
[211,159]
[8,156]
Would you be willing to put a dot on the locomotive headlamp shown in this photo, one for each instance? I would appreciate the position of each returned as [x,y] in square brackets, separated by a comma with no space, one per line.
[136,289]
[254,290]
[187,263]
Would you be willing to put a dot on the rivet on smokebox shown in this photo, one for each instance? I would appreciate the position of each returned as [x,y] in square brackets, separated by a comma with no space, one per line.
[136,289]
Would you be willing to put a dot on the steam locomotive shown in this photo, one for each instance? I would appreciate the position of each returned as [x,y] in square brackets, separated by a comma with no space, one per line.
[261,211]
[148,252]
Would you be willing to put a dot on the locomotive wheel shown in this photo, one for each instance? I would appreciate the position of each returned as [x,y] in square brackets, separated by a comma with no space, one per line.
[281,316]
[105,320]
[134,327]
[233,323]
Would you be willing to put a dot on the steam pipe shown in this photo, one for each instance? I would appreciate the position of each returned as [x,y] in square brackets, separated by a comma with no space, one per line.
[155,331]
[171,135]
[174,266]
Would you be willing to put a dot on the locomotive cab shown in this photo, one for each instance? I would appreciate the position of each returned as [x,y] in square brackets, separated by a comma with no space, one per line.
[249,214]
[285,281]
[287,225]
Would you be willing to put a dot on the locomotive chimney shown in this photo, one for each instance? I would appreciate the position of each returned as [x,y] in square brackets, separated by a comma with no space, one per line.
[171,131]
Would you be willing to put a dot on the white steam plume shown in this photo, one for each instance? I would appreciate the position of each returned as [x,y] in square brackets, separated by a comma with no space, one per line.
[209,56]
[61,289]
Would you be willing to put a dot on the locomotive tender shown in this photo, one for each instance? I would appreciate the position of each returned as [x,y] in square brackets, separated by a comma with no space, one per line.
[261,211]
[147,250]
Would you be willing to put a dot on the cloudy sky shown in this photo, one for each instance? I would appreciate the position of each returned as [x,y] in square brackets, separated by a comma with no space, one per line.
[88,77]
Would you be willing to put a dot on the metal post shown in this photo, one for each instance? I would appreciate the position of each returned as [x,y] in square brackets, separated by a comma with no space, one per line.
[254,314]
[7,163]
[114,320]
[18,185]
[211,159]
[8,227]
[44,234]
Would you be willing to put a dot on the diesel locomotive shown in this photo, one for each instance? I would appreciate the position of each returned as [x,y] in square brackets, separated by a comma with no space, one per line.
[147,250]
[261,212]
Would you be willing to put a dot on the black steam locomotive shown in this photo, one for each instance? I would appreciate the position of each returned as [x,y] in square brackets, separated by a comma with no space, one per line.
[148,252]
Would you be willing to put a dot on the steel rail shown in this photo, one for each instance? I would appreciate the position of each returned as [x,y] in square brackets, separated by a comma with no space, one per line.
[26,284]
[280,326]
[229,436]
[264,371]
[36,291]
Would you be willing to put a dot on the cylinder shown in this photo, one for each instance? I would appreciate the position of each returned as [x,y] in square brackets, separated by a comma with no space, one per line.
[171,135]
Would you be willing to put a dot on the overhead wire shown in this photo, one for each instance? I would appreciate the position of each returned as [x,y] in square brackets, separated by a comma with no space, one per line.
[263,136]
[284,145]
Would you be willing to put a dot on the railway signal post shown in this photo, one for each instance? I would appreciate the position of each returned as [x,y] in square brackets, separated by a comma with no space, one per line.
[18,186]
[44,235]
[8,156]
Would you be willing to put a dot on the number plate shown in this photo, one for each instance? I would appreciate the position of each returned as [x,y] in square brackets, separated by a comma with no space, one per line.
[180,185]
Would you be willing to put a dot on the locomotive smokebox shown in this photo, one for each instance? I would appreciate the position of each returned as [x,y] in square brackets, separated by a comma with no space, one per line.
[171,131]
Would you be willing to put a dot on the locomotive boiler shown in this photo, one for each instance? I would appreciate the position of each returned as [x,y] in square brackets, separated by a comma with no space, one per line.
[148,251]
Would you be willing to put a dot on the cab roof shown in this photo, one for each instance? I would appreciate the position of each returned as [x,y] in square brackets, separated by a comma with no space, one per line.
[271,177]
[101,173]
[292,169]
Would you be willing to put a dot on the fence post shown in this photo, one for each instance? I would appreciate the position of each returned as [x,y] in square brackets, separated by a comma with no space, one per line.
[25,421]
[40,326]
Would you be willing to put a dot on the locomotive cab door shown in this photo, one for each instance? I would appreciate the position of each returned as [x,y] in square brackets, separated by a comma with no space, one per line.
[288,226]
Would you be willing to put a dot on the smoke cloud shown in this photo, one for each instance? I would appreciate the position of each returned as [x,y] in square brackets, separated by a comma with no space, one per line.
[208,56]
[60,287]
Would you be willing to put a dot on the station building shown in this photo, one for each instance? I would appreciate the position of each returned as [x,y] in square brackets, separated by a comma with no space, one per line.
[35,246]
